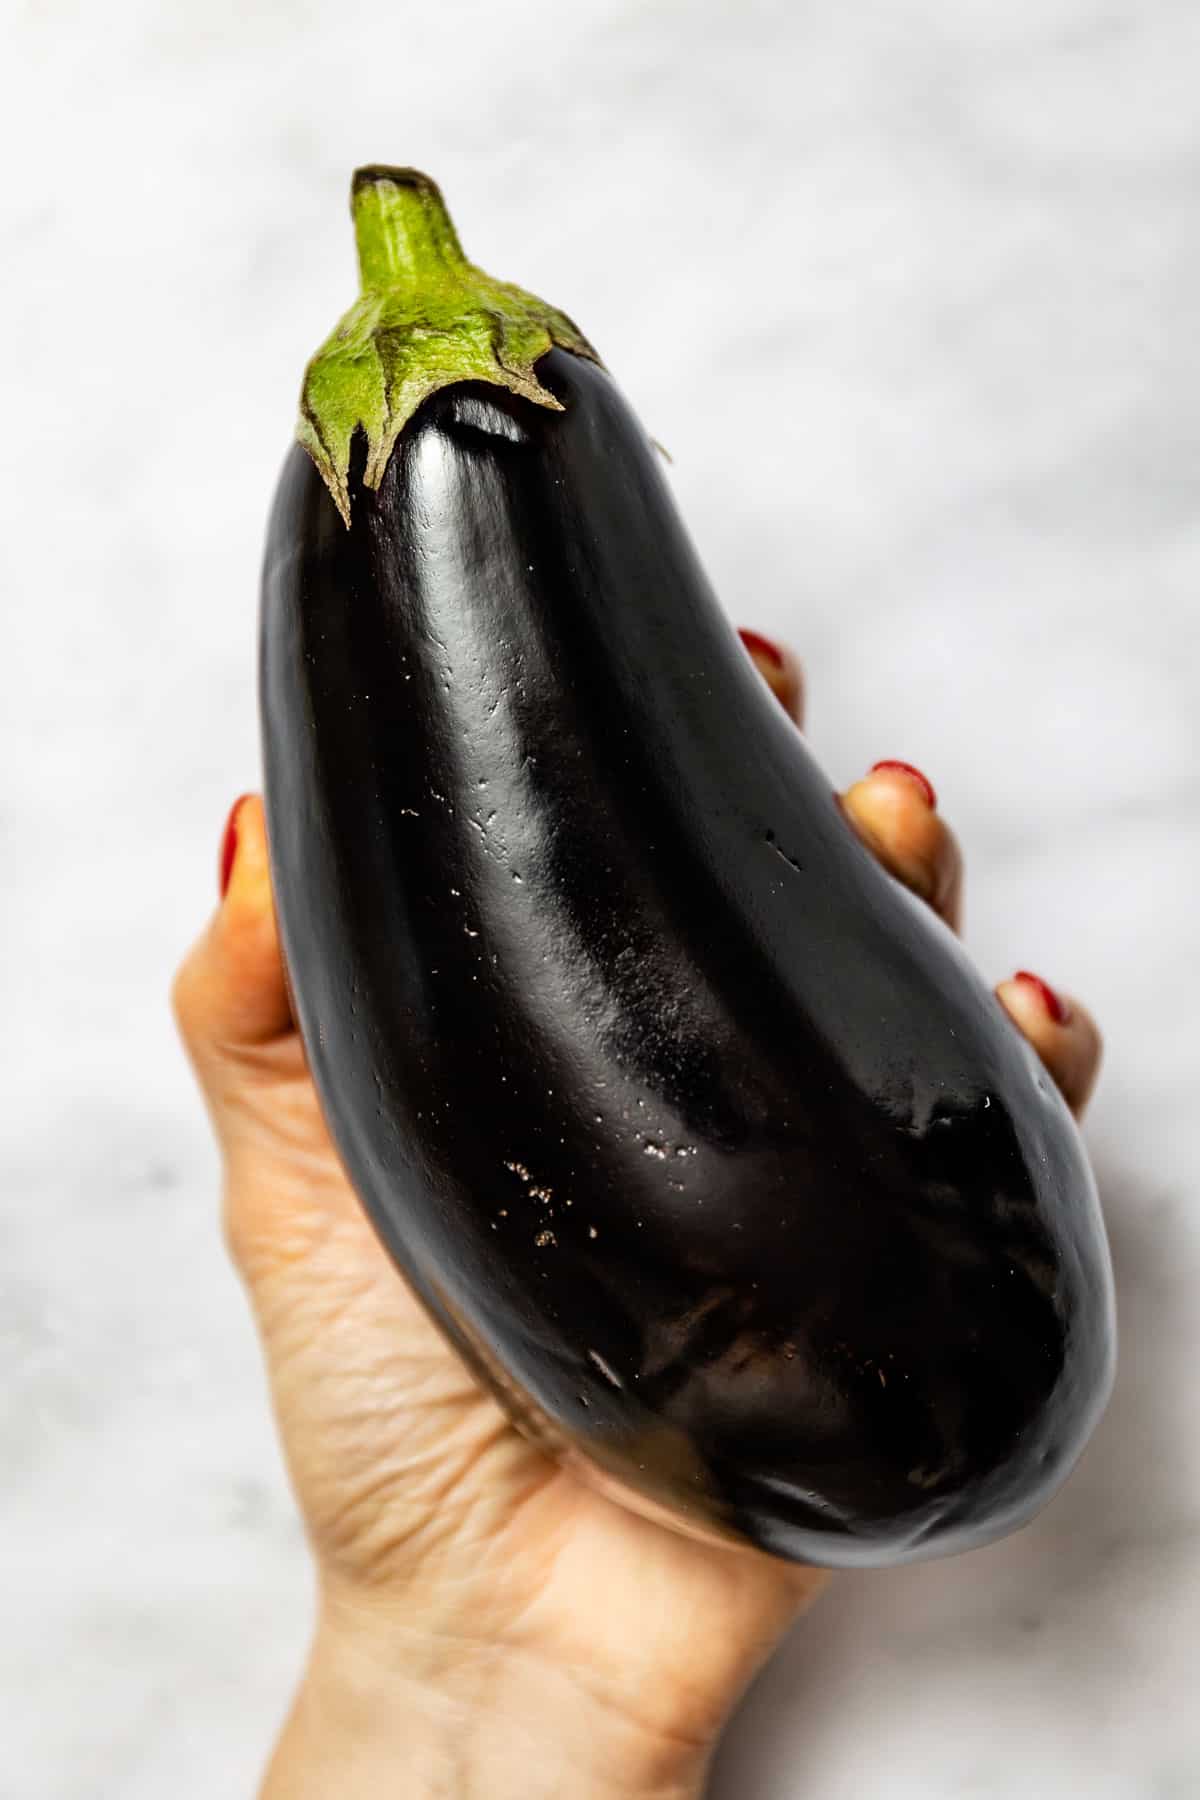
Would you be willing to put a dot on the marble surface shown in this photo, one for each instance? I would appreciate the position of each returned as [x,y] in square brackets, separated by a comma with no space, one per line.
[910,292]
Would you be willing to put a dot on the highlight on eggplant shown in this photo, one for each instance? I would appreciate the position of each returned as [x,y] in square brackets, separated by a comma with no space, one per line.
[702,1140]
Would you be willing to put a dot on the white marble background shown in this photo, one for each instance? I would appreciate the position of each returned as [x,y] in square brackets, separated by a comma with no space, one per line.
[911,292]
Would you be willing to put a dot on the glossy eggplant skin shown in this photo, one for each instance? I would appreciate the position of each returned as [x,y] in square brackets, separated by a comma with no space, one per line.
[700,1136]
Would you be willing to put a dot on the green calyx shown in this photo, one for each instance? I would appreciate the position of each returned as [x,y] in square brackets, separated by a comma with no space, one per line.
[426,319]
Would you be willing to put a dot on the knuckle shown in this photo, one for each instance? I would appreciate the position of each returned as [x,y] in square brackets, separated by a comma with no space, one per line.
[185,999]
[237,1232]
[245,1221]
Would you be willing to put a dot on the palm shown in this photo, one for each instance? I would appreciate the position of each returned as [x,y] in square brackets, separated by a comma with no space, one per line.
[401,1460]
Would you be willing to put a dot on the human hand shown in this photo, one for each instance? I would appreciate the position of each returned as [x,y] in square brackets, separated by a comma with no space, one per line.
[487,1623]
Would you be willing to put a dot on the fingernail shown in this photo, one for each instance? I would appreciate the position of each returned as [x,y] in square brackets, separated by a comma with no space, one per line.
[762,646]
[922,781]
[1058,1009]
[229,846]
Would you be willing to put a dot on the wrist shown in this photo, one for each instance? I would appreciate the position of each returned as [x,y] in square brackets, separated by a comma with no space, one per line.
[382,1711]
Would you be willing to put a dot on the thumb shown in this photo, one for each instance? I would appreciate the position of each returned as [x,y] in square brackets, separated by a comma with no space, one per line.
[230,993]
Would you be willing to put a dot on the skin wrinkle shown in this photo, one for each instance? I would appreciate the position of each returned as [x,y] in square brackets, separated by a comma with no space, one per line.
[477,1672]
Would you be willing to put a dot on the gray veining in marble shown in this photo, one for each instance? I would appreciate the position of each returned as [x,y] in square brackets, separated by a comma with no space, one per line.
[910,292]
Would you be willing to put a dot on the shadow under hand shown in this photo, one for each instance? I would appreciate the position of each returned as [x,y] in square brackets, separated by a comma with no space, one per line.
[1024,1644]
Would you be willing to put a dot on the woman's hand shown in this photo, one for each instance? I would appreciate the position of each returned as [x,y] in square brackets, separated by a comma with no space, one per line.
[487,1624]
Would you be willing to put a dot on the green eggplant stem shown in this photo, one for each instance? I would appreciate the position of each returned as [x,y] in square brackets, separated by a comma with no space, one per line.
[426,319]
[402,228]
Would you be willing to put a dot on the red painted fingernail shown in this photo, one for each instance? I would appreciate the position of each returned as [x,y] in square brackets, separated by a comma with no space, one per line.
[229,846]
[762,645]
[1059,1011]
[908,769]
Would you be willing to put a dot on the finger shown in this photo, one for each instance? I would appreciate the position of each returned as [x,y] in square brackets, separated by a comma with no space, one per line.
[230,992]
[1063,1033]
[894,810]
[781,671]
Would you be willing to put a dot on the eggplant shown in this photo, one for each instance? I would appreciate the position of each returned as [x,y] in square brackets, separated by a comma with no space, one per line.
[698,1135]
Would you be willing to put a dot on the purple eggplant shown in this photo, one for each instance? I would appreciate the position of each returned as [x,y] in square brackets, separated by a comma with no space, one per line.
[700,1137]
